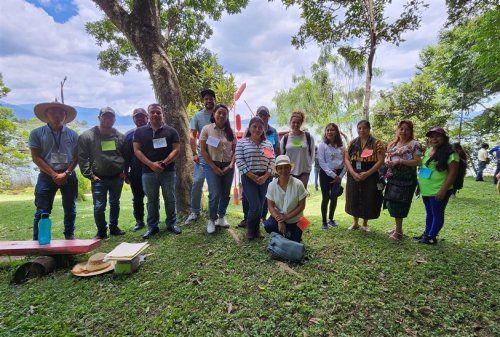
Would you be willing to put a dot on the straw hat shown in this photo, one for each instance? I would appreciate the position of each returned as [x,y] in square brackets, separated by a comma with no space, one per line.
[94,266]
[41,111]
[282,160]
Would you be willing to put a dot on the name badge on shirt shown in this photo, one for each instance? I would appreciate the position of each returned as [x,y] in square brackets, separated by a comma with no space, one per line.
[212,141]
[268,152]
[108,145]
[159,143]
[58,158]
[297,142]
[425,173]
[358,165]
[366,153]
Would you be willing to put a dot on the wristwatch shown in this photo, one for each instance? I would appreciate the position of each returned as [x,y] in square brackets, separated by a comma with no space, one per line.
[69,173]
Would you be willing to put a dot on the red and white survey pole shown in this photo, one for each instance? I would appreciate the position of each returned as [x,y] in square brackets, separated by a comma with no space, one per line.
[239,134]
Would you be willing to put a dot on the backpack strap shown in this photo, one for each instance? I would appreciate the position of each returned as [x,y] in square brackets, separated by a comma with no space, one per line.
[285,139]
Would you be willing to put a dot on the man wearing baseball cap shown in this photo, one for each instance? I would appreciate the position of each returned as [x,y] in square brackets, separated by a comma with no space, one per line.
[133,169]
[54,150]
[101,157]
[199,120]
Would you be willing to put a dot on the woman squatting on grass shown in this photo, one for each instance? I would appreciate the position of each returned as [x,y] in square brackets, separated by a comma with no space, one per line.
[286,200]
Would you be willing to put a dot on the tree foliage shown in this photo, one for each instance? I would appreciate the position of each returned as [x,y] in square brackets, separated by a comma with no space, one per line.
[184,30]
[420,100]
[13,152]
[330,94]
[157,33]
[357,27]
[463,10]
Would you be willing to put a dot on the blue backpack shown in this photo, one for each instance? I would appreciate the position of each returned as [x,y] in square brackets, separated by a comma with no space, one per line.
[282,248]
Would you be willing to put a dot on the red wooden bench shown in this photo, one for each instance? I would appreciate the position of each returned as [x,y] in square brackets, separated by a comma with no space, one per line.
[55,247]
[58,253]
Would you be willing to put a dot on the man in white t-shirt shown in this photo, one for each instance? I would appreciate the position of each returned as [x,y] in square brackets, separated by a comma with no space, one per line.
[482,157]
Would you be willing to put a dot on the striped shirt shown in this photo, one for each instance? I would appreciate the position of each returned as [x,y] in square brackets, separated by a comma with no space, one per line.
[251,156]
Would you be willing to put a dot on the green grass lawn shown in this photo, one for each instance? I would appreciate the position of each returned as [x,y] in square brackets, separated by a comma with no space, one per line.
[195,284]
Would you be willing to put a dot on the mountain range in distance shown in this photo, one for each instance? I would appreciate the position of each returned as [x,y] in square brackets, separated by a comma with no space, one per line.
[89,115]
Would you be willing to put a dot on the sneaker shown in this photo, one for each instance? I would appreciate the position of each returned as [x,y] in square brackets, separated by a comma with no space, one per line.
[418,238]
[428,240]
[191,218]
[325,225]
[210,227]
[332,223]
[222,222]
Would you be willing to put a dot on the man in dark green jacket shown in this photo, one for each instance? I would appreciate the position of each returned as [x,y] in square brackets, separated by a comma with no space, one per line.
[101,157]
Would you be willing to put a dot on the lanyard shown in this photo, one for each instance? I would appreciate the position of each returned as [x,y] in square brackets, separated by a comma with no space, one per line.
[57,141]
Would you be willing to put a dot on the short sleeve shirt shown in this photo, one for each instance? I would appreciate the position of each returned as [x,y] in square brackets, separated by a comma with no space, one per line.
[430,186]
[156,144]
[299,152]
[287,201]
[219,148]
[57,149]
[198,122]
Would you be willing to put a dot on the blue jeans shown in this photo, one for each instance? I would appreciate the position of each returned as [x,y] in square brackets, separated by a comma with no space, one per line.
[244,204]
[151,183]
[480,168]
[197,187]
[434,209]
[137,196]
[45,192]
[219,189]
[293,232]
[100,190]
[256,196]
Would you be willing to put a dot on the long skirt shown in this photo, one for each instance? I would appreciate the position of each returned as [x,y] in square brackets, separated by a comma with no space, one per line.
[399,209]
[363,199]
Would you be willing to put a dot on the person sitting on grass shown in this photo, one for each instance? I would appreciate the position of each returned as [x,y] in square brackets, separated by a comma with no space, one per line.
[286,200]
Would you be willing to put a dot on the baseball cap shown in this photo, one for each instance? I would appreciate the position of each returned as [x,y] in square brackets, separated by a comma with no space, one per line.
[263,110]
[106,110]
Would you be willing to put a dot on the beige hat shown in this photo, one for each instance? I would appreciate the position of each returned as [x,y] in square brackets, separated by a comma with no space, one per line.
[282,160]
[41,111]
[94,266]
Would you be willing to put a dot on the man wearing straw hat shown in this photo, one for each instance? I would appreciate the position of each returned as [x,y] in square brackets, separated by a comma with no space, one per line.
[54,150]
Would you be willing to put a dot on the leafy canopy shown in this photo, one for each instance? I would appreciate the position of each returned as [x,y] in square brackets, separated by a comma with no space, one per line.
[185,30]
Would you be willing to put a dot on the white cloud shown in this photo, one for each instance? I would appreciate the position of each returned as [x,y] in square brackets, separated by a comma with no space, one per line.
[254,45]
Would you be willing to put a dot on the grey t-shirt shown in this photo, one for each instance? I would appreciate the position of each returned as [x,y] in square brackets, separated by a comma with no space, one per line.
[58,149]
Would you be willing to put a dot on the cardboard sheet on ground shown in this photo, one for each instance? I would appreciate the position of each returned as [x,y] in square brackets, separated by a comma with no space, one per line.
[303,223]
[126,251]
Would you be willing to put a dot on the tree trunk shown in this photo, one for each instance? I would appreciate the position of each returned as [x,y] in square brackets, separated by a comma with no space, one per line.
[371,56]
[142,29]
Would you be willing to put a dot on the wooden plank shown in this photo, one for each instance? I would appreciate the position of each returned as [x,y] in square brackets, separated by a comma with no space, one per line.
[68,247]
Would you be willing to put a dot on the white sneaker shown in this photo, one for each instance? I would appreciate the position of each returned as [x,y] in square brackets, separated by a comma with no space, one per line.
[191,218]
[222,222]
[210,227]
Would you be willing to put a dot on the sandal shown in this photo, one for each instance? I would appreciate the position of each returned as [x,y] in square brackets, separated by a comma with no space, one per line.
[396,236]
[366,228]
[353,227]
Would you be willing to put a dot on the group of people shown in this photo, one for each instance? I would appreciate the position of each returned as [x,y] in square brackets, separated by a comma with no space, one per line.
[145,158]
[274,173]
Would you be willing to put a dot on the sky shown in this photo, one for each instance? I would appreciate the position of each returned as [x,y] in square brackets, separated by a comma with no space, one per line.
[42,41]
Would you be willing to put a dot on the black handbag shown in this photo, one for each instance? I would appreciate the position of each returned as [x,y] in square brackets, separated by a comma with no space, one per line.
[398,190]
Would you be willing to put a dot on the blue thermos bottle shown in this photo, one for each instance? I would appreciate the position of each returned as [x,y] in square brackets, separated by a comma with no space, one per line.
[44,228]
